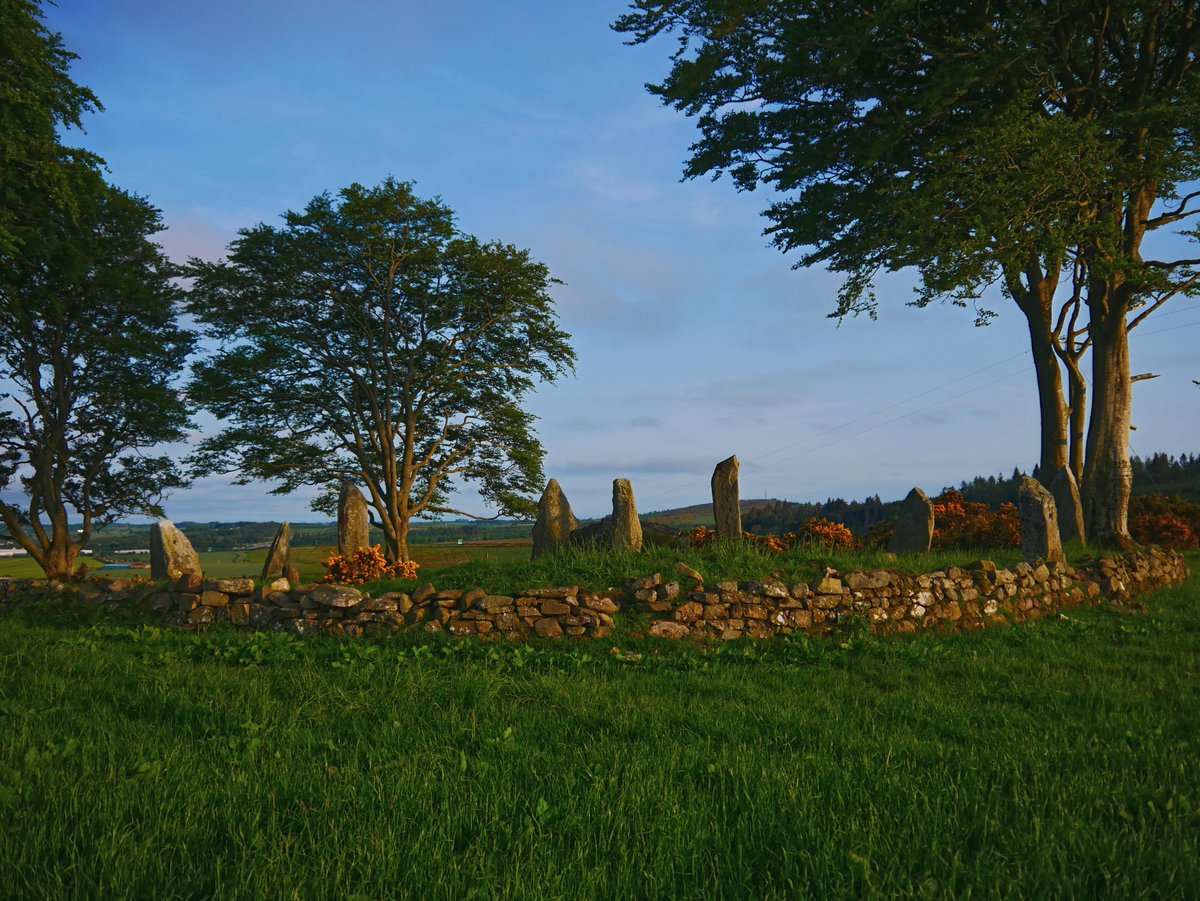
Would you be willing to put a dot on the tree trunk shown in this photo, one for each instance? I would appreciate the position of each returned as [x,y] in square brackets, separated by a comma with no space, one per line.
[1108,474]
[397,549]
[58,561]
[1037,305]
[1077,417]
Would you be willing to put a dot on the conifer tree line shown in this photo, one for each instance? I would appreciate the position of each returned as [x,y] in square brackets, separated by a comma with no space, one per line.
[1160,474]
[1034,145]
[369,339]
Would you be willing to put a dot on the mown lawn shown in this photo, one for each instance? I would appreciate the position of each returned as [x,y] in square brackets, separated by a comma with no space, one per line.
[1051,759]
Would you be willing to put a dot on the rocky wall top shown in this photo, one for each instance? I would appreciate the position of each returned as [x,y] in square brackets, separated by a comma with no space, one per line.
[680,606]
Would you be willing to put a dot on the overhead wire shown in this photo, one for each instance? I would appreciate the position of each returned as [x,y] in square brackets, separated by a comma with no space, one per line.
[672,492]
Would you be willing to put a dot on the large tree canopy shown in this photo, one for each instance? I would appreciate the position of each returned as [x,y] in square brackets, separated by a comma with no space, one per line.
[89,346]
[979,143]
[370,340]
[37,97]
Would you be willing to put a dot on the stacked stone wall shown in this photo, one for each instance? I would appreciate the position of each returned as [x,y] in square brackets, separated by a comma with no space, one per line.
[888,602]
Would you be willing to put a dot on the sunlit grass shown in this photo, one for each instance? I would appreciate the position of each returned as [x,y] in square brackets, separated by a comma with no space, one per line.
[1057,758]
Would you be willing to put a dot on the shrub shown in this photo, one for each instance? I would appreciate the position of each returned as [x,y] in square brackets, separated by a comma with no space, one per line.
[1165,521]
[821,532]
[959,523]
[367,564]
[879,535]
[825,533]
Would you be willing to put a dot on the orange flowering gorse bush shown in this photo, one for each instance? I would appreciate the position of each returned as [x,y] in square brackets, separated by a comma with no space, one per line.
[367,564]
[1165,521]
[825,533]
[959,523]
[813,532]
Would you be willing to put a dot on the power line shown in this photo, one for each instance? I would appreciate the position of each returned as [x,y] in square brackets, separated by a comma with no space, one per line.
[757,467]
[672,492]
[897,419]
[1173,328]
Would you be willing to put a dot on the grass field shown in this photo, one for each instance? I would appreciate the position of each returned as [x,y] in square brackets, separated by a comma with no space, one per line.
[311,560]
[505,566]
[1055,759]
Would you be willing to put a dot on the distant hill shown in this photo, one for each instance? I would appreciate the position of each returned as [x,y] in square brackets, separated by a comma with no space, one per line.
[228,536]
[1159,473]
[700,514]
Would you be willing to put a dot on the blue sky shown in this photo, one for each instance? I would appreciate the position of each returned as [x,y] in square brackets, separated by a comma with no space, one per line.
[696,340]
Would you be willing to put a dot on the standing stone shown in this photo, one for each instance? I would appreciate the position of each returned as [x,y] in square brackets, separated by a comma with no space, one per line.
[354,520]
[727,506]
[1066,499]
[555,522]
[280,554]
[1039,523]
[914,528]
[171,554]
[626,529]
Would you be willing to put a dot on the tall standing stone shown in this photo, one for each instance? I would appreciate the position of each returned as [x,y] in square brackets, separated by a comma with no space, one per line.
[914,528]
[727,505]
[280,554]
[171,554]
[1066,499]
[626,529]
[354,520]
[555,522]
[1039,523]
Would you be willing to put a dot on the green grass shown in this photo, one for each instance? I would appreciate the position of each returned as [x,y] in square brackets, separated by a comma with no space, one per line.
[509,570]
[311,560]
[504,567]
[1052,759]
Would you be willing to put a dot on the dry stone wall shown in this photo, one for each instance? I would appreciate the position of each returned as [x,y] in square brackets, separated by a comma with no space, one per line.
[975,596]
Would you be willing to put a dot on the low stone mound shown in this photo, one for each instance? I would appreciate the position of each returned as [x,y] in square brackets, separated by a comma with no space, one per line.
[599,534]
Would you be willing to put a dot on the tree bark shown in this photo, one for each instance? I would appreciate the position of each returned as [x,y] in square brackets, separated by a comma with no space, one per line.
[1077,418]
[1108,474]
[1037,303]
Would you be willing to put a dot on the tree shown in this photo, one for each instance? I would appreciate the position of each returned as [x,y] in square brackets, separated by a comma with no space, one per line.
[370,340]
[89,345]
[37,97]
[980,145]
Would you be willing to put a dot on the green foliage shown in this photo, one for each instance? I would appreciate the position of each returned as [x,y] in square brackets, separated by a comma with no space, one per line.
[89,346]
[37,97]
[1024,144]
[1057,758]
[370,340]
[971,143]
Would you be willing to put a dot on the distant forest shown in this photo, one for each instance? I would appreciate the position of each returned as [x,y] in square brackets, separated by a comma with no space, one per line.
[228,536]
[1158,474]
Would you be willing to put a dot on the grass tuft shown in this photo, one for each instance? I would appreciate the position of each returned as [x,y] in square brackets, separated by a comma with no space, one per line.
[1057,758]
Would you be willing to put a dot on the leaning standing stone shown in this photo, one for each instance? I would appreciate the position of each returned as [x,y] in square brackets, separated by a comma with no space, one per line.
[727,509]
[555,522]
[914,528]
[280,554]
[354,520]
[626,529]
[171,554]
[1039,523]
[1066,500]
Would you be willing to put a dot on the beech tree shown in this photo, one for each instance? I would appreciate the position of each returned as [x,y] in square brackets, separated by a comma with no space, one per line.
[370,340]
[980,144]
[37,98]
[89,346]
